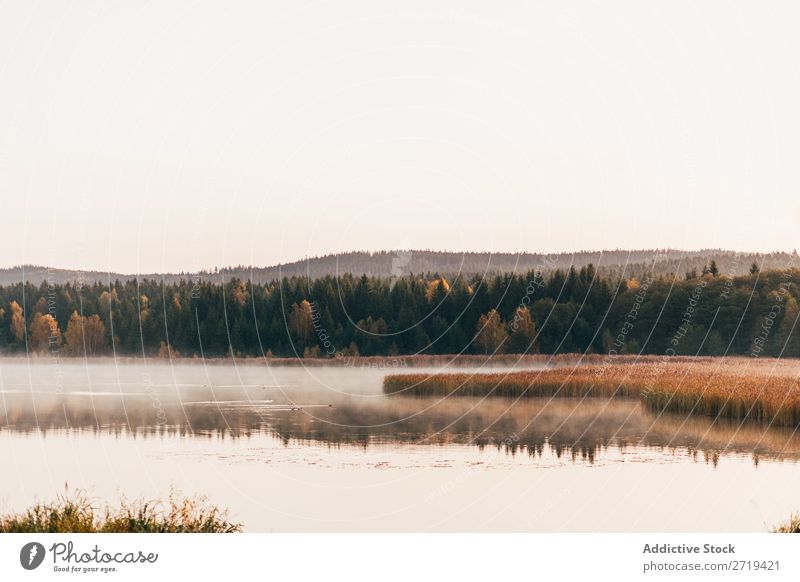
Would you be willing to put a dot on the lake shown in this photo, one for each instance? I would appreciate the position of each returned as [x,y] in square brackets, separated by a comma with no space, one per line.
[323,449]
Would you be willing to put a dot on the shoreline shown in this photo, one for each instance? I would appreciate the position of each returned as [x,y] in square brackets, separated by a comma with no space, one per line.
[392,362]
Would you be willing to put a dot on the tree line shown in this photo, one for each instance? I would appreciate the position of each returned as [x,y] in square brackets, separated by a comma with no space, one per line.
[564,311]
[609,263]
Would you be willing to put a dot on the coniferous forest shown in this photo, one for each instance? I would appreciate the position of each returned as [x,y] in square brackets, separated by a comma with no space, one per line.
[706,313]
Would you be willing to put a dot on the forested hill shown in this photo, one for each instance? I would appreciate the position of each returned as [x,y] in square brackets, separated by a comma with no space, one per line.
[399,263]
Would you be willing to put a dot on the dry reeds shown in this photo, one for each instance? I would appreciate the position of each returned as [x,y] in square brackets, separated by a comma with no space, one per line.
[792,525]
[766,391]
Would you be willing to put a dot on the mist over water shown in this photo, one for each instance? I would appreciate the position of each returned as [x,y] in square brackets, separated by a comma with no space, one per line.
[256,439]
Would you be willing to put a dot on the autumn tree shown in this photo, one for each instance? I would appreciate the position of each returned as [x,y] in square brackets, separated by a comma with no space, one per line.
[95,332]
[108,300]
[436,289]
[523,333]
[73,336]
[17,322]
[44,333]
[239,293]
[84,335]
[301,325]
[491,333]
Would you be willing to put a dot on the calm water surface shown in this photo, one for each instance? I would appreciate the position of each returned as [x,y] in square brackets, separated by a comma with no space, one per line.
[322,449]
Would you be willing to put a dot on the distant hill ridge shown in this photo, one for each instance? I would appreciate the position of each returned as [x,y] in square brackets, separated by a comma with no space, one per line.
[399,263]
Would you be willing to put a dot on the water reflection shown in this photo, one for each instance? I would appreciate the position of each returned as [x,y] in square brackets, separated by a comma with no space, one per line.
[315,414]
[323,449]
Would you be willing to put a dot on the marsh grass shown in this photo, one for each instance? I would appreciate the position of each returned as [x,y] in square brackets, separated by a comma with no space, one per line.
[737,390]
[792,525]
[75,513]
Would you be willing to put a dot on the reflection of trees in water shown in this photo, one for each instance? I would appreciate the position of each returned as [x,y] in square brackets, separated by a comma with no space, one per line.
[567,428]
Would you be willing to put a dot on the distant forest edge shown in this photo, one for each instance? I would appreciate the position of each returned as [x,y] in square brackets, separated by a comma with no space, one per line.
[705,312]
[404,262]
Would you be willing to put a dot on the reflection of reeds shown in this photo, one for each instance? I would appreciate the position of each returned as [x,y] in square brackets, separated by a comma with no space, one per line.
[739,390]
[75,513]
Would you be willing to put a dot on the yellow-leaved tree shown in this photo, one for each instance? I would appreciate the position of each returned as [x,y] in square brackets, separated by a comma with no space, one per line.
[17,322]
[84,335]
[44,334]
[491,333]
[523,333]
[301,324]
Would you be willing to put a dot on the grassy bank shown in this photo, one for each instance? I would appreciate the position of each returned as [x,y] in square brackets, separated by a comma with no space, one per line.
[737,389]
[77,514]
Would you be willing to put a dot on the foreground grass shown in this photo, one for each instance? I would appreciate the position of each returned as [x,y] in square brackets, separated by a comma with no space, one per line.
[75,513]
[737,390]
[790,526]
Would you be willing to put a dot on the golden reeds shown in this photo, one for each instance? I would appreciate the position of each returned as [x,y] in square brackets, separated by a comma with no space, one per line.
[766,391]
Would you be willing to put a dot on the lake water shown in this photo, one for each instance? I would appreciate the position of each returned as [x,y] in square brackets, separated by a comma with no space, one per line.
[323,449]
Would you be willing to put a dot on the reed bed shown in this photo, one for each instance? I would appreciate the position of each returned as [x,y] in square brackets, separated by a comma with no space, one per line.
[740,389]
[76,513]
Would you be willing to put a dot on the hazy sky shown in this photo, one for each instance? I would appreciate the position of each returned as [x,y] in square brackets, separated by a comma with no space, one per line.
[157,136]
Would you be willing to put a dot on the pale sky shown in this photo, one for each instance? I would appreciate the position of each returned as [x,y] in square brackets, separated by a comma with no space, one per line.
[164,136]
